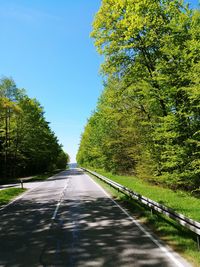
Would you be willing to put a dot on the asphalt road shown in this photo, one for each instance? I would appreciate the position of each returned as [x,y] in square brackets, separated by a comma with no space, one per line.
[69,220]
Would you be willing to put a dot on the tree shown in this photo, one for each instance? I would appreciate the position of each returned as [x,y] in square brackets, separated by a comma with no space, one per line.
[152,55]
[27,144]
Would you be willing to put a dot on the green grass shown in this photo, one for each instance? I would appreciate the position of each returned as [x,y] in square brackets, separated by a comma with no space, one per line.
[35,178]
[180,201]
[180,239]
[41,177]
[6,195]
[44,176]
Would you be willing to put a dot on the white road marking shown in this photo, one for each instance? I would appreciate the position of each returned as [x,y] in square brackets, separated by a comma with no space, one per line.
[25,193]
[60,201]
[19,197]
[155,241]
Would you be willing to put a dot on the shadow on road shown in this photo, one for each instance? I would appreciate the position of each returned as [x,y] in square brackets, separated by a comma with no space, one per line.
[87,232]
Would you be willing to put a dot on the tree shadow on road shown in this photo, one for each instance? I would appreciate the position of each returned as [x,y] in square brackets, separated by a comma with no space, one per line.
[94,232]
[87,232]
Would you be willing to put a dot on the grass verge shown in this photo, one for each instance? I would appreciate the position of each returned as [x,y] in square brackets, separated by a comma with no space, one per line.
[35,178]
[43,177]
[6,195]
[180,239]
[180,201]
[40,177]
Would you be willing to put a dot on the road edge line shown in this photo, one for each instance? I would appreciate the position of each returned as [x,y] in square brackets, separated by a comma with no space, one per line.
[153,239]
[19,197]
[25,193]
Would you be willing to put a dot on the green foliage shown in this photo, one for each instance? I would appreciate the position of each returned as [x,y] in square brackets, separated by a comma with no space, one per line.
[6,195]
[178,237]
[27,144]
[181,201]
[62,160]
[147,120]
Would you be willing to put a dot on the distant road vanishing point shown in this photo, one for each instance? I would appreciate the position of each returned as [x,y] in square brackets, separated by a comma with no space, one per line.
[69,220]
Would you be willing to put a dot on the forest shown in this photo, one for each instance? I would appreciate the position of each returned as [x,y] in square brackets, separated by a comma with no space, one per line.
[27,144]
[147,120]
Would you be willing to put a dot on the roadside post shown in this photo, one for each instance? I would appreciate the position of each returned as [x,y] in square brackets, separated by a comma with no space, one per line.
[188,223]
[21,182]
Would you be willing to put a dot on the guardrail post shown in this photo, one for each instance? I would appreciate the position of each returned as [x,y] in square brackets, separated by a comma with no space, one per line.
[151,212]
[21,182]
[189,223]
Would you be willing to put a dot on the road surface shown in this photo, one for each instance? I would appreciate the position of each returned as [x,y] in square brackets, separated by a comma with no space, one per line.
[69,220]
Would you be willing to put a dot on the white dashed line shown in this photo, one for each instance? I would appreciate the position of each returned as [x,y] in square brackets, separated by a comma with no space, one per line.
[60,201]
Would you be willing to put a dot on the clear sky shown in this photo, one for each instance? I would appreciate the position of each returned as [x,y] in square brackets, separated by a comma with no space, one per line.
[45,47]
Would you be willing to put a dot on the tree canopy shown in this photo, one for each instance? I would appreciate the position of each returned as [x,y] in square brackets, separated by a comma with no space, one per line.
[147,121]
[27,144]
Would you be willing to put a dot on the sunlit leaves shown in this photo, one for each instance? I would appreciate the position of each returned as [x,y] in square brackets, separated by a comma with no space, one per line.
[27,144]
[148,117]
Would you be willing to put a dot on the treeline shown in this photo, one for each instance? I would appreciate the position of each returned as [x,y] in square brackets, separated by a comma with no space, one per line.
[27,144]
[147,121]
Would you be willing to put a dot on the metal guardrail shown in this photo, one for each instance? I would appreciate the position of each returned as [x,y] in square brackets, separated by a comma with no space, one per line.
[188,223]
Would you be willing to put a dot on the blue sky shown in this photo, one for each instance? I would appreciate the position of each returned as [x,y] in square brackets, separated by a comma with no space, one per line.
[45,47]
